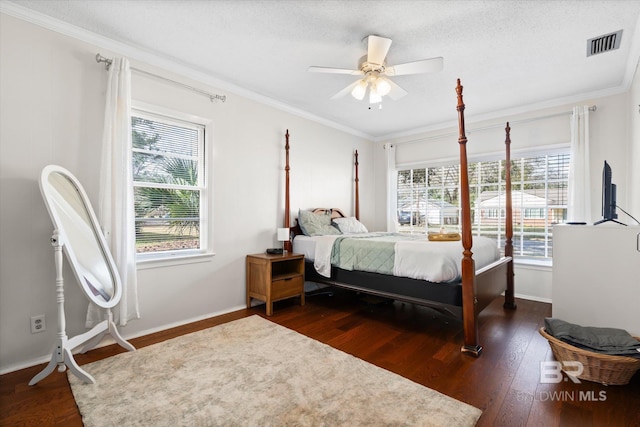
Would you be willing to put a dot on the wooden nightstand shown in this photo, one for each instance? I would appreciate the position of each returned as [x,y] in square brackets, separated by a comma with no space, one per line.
[275,277]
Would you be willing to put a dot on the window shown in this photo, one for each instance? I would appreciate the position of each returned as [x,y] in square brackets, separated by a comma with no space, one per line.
[494,213]
[428,200]
[530,213]
[169,184]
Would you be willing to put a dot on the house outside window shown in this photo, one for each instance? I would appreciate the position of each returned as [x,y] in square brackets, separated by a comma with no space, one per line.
[430,197]
[169,183]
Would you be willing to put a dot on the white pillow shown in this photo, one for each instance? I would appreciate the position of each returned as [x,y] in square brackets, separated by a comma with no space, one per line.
[350,225]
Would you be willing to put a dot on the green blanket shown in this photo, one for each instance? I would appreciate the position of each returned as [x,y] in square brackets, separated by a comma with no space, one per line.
[372,252]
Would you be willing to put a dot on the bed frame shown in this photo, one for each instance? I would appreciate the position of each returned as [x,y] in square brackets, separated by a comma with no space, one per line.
[465,299]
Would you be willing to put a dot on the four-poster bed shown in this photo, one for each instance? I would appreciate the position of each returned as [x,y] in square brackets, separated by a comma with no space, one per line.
[463,293]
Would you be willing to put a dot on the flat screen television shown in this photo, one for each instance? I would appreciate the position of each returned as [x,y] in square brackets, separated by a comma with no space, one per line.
[608,196]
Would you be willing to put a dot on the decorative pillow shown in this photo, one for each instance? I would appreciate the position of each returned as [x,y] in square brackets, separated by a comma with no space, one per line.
[444,237]
[313,224]
[350,225]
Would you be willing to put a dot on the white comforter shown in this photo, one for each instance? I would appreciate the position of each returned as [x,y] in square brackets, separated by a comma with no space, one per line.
[322,258]
[440,261]
[423,259]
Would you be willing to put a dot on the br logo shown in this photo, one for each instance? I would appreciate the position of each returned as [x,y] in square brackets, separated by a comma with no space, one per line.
[551,372]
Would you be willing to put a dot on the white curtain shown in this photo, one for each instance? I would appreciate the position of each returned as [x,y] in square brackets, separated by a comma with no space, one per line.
[392,188]
[115,207]
[579,203]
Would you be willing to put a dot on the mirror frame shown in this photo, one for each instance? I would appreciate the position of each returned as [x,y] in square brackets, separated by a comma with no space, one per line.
[46,190]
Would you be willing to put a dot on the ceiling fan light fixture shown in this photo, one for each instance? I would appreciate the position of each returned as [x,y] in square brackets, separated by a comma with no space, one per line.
[373,66]
[360,90]
[374,97]
[382,86]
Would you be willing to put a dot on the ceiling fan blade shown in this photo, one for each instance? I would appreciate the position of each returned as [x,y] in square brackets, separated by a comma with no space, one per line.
[431,65]
[377,49]
[334,70]
[396,91]
[346,90]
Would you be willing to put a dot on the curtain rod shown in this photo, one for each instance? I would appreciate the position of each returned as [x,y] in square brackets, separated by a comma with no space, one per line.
[212,96]
[515,122]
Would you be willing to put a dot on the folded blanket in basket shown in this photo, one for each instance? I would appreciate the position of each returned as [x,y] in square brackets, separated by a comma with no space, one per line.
[610,341]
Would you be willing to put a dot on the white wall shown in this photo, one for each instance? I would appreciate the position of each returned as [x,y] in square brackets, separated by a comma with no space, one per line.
[633,109]
[52,95]
[549,127]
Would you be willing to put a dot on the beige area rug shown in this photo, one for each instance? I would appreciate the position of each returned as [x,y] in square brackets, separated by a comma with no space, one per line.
[253,372]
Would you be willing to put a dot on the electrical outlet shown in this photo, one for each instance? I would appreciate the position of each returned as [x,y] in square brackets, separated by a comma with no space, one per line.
[38,324]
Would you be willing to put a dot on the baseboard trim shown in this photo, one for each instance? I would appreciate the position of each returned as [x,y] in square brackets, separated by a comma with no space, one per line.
[533,298]
[108,340]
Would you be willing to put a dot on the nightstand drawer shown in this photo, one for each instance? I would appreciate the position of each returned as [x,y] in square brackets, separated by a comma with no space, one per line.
[288,287]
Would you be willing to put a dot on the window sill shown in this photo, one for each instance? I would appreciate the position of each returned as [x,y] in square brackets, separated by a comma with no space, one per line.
[168,260]
[533,263]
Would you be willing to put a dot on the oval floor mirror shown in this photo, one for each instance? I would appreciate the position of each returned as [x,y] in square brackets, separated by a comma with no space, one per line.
[77,233]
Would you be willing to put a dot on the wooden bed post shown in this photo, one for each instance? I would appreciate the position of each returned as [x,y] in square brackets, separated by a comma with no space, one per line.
[287,221]
[357,188]
[509,298]
[471,345]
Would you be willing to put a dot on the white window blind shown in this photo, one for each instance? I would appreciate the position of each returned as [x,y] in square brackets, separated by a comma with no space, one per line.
[429,200]
[169,184]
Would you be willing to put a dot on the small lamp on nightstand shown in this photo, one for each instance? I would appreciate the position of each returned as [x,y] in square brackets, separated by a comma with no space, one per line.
[283,236]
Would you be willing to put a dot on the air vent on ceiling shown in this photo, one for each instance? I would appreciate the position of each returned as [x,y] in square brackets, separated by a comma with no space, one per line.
[604,43]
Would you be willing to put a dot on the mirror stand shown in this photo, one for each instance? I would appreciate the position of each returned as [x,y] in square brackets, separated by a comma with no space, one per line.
[62,356]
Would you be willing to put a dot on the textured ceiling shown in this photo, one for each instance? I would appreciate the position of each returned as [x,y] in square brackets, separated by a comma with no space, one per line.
[510,55]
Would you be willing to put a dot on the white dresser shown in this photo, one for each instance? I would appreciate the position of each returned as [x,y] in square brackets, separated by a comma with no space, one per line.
[596,275]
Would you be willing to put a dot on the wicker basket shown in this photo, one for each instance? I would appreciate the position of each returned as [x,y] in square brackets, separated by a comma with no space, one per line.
[597,367]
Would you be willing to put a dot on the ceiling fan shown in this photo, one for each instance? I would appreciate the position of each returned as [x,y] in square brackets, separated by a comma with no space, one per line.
[376,72]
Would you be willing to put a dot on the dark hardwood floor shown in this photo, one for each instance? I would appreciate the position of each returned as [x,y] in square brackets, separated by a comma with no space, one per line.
[412,341]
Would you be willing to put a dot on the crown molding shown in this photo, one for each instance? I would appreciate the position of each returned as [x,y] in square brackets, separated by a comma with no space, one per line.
[588,97]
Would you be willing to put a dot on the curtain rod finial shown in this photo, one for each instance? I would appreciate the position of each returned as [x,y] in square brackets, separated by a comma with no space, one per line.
[222,98]
[107,61]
